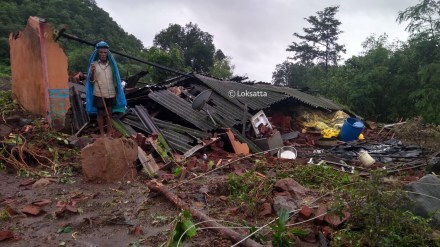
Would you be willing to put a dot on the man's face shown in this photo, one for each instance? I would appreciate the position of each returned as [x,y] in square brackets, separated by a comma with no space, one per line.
[102,52]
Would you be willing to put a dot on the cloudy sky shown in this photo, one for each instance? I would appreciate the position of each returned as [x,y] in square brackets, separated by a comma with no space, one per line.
[256,33]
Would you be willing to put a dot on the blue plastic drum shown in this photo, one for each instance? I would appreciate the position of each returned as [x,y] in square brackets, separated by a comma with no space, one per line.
[351,129]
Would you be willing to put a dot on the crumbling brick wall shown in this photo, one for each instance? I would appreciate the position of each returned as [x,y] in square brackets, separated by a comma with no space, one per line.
[39,71]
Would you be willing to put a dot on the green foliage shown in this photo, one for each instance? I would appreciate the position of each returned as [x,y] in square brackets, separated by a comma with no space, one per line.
[292,74]
[280,237]
[183,229]
[221,69]
[6,102]
[196,45]
[427,98]
[240,187]
[4,215]
[67,229]
[319,43]
[424,19]
[247,190]
[197,49]
[83,18]
[177,171]
[320,177]
[380,217]
[386,82]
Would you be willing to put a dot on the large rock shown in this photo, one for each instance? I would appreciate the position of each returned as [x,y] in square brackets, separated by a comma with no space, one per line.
[284,202]
[434,164]
[109,160]
[291,188]
[426,196]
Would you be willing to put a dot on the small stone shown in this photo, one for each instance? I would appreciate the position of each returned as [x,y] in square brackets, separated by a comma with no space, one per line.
[11,211]
[71,208]
[42,203]
[32,210]
[327,231]
[336,220]
[41,183]
[137,231]
[204,189]
[27,182]
[321,210]
[234,211]
[6,235]
[306,212]
[266,209]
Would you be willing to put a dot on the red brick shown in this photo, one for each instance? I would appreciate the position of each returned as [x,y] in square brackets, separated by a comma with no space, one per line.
[6,235]
[322,209]
[32,210]
[306,212]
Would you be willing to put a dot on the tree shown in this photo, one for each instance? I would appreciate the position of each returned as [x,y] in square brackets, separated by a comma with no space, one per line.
[319,44]
[424,19]
[290,74]
[197,46]
[82,17]
[372,42]
[222,68]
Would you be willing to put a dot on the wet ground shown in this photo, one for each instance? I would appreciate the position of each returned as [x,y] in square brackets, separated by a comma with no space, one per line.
[112,214]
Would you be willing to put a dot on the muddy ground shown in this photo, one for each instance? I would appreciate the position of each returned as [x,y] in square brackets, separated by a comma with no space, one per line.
[116,214]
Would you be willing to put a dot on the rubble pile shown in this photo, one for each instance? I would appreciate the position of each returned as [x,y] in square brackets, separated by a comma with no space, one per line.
[221,158]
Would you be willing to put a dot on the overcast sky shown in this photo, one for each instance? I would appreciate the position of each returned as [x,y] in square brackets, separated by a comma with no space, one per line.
[256,33]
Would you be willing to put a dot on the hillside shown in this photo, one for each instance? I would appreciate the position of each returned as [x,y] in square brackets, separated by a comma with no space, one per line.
[82,17]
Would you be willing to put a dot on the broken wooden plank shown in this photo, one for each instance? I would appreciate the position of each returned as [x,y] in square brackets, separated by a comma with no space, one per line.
[147,162]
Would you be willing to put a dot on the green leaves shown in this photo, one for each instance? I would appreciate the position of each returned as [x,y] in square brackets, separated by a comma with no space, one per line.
[280,236]
[319,43]
[67,229]
[189,227]
[197,46]
[184,228]
[424,19]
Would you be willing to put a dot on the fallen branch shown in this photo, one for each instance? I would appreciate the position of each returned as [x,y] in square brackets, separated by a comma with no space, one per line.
[233,235]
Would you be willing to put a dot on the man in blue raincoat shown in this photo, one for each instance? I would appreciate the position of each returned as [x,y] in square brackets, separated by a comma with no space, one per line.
[104,93]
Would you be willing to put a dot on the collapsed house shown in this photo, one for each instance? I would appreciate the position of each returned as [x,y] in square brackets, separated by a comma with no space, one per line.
[189,109]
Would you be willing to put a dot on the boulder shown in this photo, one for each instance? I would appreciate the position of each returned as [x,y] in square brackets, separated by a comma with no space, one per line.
[284,202]
[109,160]
[291,188]
[426,196]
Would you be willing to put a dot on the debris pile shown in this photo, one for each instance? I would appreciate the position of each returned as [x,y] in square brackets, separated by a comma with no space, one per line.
[244,160]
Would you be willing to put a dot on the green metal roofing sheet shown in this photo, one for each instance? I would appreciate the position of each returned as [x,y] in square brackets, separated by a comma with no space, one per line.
[182,108]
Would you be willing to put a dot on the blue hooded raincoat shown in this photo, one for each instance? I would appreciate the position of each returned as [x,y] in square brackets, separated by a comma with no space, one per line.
[121,102]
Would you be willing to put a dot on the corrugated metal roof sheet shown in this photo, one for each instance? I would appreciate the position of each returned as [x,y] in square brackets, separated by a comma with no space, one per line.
[229,112]
[183,109]
[179,142]
[224,88]
[303,97]
[180,129]
[274,93]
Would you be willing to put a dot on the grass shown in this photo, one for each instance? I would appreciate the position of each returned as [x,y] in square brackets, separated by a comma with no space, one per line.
[247,190]
[6,102]
[381,217]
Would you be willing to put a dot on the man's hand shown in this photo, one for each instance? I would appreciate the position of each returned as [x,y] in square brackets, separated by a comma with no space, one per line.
[92,76]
